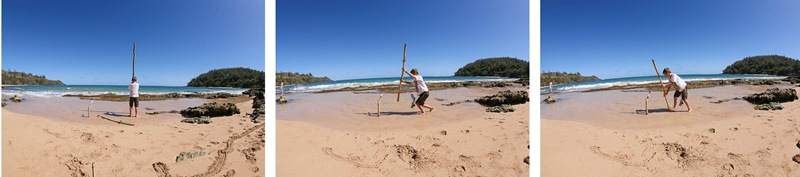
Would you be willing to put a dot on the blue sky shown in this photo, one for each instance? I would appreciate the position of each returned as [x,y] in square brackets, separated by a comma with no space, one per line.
[364,38]
[618,38]
[90,42]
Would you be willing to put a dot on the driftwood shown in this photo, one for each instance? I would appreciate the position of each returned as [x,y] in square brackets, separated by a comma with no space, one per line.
[663,88]
[402,73]
[117,121]
[646,101]
[133,63]
[379,105]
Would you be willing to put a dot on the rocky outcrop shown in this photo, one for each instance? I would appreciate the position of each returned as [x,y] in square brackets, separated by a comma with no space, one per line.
[549,100]
[211,110]
[773,95]
[504,97]
[15,98]
[792,79]
[281,100]
[769,106]
[501,108]
[523,81]
[197,120]
[4,102]
[258,103]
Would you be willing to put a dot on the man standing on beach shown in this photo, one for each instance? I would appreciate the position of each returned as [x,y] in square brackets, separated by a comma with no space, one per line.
[680,89]
[422,89]
[134,88]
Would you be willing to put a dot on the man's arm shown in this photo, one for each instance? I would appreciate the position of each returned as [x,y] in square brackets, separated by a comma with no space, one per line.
[409,73]
[669,86]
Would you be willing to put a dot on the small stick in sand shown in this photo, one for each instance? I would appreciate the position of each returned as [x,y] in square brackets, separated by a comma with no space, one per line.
[92,169]
[646,101]
[88,110]
[379,105]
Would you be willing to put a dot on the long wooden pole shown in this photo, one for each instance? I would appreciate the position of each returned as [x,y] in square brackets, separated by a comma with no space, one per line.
[402,73]
[663,88]
[133,65]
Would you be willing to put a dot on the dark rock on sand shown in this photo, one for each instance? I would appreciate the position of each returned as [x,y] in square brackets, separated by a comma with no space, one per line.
[4,102]
[211,110]
[796,158]
[15,98]
[189,155]
[712,130]
[197,120]
[549,100]
[798,144]
[258,103]
[501,108]
[281,100]
[527,160]
[218,95]
[504,97]
[523,81]
[773,95]
[792,79]
[769,106]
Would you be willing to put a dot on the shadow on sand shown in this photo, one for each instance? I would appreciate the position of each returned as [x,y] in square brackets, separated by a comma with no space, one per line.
[108,113]
[389,113]
[661,110]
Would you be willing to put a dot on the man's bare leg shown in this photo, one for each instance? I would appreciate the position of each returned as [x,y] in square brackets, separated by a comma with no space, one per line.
[687,105]
[426,106]
[137,111]
[130,112]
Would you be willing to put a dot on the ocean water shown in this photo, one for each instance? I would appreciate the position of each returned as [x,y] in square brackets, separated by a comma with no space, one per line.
[639,80]
[58,91]
[333,85]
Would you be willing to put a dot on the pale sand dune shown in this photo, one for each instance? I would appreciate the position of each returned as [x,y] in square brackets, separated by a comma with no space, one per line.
[67,146]
[332,135]
[598,134]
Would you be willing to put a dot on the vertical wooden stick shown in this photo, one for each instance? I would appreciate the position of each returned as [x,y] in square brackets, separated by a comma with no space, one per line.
[663,88]
[646,101]
[402,73]
[379,105]
[88,110]
[133,65]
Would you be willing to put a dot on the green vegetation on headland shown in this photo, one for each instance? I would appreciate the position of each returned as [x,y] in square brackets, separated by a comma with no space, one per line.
[498,67]
[765,64]
[290,78]
[230,77]
[564,78]
[22,78]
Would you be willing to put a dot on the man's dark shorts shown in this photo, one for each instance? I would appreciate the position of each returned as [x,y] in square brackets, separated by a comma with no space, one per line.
[684,94]
[422,98]
[134,100]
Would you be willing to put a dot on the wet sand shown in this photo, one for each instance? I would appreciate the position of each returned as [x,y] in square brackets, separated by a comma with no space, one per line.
[607,134]
[57,141]
[339,134]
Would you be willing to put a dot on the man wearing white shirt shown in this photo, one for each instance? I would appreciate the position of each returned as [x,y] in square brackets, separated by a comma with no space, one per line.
[134,101]
[680,89]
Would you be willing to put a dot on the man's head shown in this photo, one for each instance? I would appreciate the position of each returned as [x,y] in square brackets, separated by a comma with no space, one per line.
[133,79]
[414,71]
[667,71]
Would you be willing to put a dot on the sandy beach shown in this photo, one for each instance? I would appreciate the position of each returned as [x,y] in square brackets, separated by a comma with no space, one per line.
[607,134]
[48,137]
[339,134]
